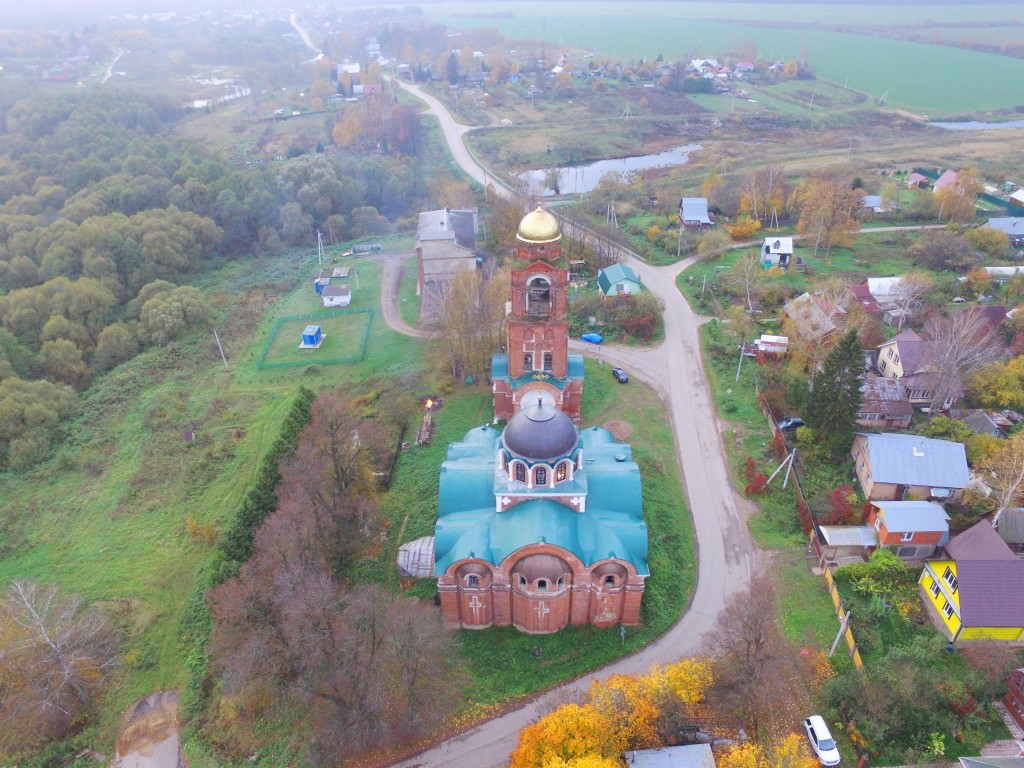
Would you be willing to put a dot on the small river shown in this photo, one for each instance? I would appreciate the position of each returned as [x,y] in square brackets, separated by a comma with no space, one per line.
[583,178]
[974,125]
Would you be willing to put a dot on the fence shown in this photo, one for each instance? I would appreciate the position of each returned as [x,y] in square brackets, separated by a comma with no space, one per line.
[803,510]
[999,202]
[262,364]
[837,601]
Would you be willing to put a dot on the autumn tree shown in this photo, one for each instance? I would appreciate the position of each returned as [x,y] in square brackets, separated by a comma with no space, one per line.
[827,209]
[989,240]
[472,319]
[763,192]
[942,250]
[999,384]
[1004,472]
[55,654]
[32,414]
[744,275]
[959,200]
[168,315]
[961,345]
[617,714]
[713,244]
[789,751]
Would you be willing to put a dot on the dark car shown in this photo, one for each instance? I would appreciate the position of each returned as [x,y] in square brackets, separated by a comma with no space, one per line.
[620,375]
[790,423]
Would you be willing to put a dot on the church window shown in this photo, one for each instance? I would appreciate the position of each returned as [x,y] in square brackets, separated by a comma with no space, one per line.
[520,473]
[538,297]
[472,580]
[542,585]
[560,471]
[609,581]
[522,580]
[542,476]
[561,582]
[528,361]
[548,361]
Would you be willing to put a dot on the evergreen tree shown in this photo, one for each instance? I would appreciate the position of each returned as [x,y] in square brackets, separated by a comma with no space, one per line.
[453,69]
[835,395]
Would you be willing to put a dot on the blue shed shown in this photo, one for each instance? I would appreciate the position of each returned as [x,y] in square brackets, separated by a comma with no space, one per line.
[311,336]
[320,283]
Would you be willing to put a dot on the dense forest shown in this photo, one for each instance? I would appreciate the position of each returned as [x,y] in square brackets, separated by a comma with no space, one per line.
[105,217]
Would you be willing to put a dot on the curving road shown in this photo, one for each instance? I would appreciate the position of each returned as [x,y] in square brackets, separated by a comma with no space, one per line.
[726,555]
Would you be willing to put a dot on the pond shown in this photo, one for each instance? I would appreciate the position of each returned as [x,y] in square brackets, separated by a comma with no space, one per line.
[974,125]
[575,179]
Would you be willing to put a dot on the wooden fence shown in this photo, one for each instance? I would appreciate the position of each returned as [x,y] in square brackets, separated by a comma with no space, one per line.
[837,601]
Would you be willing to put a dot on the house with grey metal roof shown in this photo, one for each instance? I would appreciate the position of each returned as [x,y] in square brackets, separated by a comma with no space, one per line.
[893,466]
[693,212]
[686,756]
[1013,226]
[445,246]
[777,251]
[914,529]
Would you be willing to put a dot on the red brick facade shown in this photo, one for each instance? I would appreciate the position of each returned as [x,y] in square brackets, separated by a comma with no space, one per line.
[1014,698]
[542,594]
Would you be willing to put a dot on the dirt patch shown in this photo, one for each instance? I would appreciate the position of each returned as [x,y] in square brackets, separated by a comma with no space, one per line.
[621,430]
[149,734]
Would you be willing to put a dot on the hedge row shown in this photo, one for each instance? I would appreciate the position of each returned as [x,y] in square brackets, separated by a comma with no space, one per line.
[234,547]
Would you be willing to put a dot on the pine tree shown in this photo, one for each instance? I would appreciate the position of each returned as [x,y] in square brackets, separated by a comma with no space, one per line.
[835,395]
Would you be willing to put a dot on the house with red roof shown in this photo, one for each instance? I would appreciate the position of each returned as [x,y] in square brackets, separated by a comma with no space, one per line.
[947,179]
[975,591]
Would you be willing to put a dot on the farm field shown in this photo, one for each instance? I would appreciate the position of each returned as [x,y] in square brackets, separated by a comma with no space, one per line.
[935,80]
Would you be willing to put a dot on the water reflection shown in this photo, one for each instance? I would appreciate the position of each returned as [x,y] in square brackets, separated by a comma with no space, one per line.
[974,125]
[583,178]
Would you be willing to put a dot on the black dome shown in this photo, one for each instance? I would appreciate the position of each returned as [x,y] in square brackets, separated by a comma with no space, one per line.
[540,432]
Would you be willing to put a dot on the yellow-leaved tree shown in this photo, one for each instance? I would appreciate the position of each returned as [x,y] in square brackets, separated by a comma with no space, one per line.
[619,714]
[791,751]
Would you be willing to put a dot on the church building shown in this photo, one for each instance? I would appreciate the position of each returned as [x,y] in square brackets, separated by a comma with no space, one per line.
[540,524]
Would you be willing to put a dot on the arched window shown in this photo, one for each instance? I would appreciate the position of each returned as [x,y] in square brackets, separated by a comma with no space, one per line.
[520,473]
[560,471]
[538,297]
[548,361]
[609,581]
[473,580]
[542,476]
[561,582]
[528,361]
[522,580]
[542,585]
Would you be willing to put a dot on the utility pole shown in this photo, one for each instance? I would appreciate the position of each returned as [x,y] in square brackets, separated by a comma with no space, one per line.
[222,357]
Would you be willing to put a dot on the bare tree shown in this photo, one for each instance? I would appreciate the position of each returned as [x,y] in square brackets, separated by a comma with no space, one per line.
[961,346]
[908,293]
[763,191]
[55,653]
[744,275]
[472,319]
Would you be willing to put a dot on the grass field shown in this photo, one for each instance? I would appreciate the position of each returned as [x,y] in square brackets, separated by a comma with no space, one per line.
[343,339]
[936,80]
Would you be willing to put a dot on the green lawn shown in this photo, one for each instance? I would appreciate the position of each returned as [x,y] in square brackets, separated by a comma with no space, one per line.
[343,340]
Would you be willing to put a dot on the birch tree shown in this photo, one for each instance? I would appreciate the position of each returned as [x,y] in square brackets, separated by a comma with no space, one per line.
[1005,472]
[961,345]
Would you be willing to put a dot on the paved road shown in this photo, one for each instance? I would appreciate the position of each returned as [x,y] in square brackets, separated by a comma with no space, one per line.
[726,553]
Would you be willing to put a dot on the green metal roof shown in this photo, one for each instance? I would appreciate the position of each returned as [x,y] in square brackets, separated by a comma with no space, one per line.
[469,524]
[616,273]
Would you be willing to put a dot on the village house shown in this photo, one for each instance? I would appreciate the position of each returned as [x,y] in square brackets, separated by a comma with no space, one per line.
[618,280]
[812,316]
[917,181]
[445,247]
[777,251]
[1017,199]
[1013,226]
[877,204]
[884,403]
[909,358]
[862,295]
[693,213]
[984,422]
[947,179]
[336,295]
[915,529]
[894,466]
[973,590]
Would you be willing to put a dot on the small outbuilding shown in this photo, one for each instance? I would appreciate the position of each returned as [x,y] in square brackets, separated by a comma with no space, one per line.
[312,337]
[777,251]
[336,295]
[618,280]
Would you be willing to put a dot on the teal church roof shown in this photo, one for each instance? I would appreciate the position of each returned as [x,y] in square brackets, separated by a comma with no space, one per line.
[469,524]
[499,371]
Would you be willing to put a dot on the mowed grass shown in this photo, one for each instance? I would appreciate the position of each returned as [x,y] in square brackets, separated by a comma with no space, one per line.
[343,337]
[936,80]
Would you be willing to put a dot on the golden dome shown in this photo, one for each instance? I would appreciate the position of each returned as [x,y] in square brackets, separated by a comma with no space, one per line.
[539,226]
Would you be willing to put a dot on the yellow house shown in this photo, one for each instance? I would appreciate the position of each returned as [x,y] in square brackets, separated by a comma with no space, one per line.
[976,590]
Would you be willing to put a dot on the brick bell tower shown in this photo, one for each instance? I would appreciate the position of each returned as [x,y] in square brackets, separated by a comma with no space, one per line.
[538,363]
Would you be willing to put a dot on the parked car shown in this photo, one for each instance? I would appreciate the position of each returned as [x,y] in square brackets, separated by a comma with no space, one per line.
[620,375]
[822,743]
[593,338]
[790,423]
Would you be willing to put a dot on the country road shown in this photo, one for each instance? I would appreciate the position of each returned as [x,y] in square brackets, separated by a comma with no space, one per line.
[726,555]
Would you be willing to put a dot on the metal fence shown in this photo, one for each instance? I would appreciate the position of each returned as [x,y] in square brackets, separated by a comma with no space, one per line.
[262,364]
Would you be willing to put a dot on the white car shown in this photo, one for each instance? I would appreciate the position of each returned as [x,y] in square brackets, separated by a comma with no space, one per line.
[822,743]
